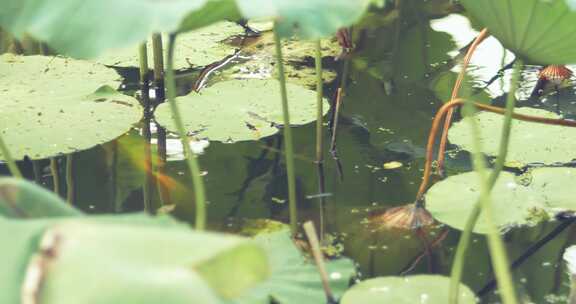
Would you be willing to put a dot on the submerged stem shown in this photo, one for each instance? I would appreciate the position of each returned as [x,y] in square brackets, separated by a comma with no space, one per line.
[9,160]
[194,170]
[319,101]
[288,145]
[496,245]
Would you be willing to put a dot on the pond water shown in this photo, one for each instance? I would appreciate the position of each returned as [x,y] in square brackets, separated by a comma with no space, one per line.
[397,80]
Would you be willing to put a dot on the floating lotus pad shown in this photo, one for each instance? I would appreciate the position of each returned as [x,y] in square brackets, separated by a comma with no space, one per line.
[53,105]
[239,110]
[429,289]
[294,278]
[529,142]
[516,200]
[197,48]
[540,31]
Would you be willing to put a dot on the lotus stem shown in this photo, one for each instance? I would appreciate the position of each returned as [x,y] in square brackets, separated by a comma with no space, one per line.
[145,87]
[70,186]
[319,260]
[37,168]
[193,167]
[319,101]
[288,144]
[55,171]
[496,246]
[455,91]
[157,52]
[340,92]
[14,170]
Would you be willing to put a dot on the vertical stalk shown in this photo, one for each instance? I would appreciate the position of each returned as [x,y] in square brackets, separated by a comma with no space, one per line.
[55,170]
[319,103]
[193,167]
[70,186]
[37,168]
[157,51]
[497,250]
[9,160]
[319,260]
[145,93]
[288,145]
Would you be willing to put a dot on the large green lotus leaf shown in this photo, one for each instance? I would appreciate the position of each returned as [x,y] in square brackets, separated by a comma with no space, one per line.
[55,105]
[20,239]
[131,259]
[76,27]
[198,48]
[305,18]
[22,199]
[294,278]
[19,242]
[429,289]
[121,265]
[540,31]
[516,200]
[238,110]
[529,143]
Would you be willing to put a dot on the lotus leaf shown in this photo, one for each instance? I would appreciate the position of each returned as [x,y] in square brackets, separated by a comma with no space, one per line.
[56,105]
[198,48]
[239,110]
[429,289]
[21,199]
[529,143]
[306,18]
[516,200]
[105,259]
[76,28]
[537,30]
[73,27]
[295,279]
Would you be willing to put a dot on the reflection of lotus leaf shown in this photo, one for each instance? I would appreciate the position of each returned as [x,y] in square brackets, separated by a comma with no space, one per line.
[197,48]
[430,289]
[541,31]
[240,110]
[529,143]
[515,200]
[54,105]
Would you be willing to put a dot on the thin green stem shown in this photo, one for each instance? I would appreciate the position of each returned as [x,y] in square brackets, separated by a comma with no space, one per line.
[319,104]
[70,186]
[157,52]
[497,249]
[288,144]
[194,170]
[144,69]
[9,160]
[55,170]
